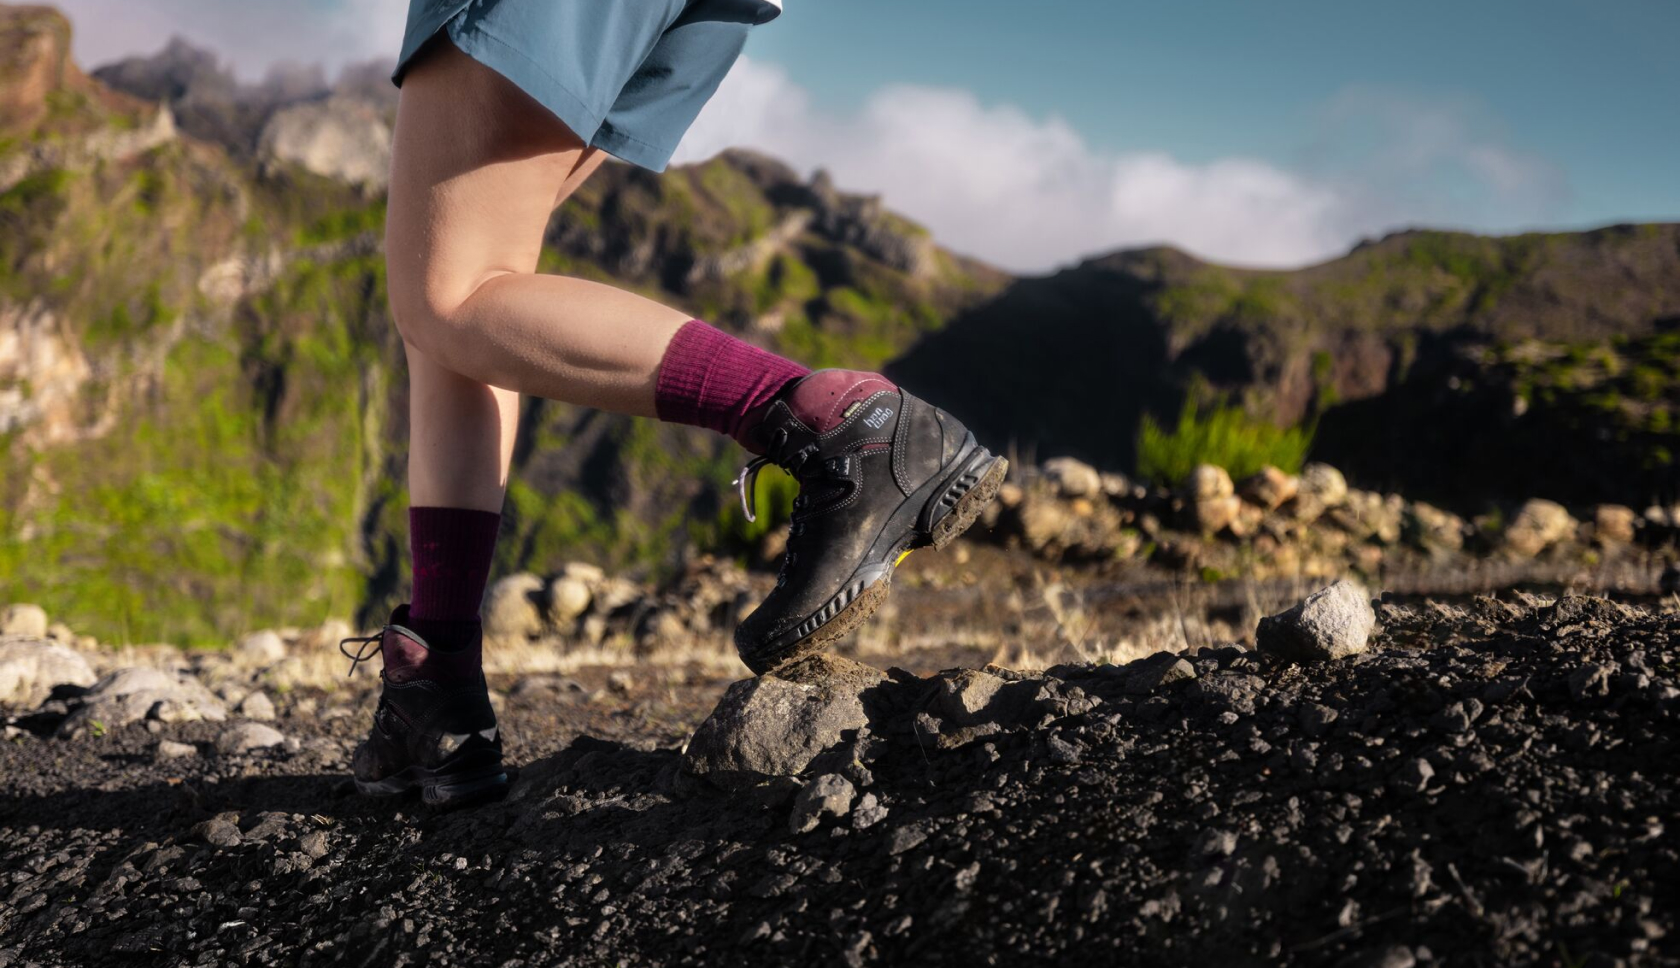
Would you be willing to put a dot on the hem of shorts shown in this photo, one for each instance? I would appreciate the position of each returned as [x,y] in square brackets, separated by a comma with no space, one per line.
[640,153]
[527,75]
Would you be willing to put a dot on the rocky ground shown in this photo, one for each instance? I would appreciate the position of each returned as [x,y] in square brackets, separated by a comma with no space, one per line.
[1488,783]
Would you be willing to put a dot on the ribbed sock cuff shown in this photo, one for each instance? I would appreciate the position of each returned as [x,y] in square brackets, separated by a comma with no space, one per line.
[713,380]
[452,552]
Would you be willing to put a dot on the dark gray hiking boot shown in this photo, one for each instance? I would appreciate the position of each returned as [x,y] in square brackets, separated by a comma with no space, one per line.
[880,473]
[434,730]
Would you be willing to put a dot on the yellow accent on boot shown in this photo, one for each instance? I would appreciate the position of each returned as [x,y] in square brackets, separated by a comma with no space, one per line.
[902,555]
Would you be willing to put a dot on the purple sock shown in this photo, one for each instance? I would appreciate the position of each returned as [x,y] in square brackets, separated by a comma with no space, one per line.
[713,380]
[453,549]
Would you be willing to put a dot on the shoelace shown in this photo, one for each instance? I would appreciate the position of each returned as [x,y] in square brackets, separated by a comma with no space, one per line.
[790,463]
[362,652]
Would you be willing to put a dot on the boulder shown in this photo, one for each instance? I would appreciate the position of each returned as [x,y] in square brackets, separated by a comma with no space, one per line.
[1073,478]
[1117,486]
[775,724]
[1321,488]
[568,598]
[136,693]
[340,137]
[1367,514]
[28,621]
[1211,498]
[1614,524]
[1538,525]
[30,668]
[829,795]
[583,571]
[1269,488]
[1431,529]
[1043,520]
[1324,484]
[1332,623]
[262,648]
[513,609]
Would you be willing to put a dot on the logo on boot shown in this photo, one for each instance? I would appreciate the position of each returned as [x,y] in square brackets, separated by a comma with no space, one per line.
[879,418]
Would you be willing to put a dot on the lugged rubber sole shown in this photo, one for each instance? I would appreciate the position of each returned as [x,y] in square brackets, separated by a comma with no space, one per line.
[960,501]
[444,792]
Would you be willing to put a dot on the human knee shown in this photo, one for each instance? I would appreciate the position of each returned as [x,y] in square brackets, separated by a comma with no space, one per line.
[425,313]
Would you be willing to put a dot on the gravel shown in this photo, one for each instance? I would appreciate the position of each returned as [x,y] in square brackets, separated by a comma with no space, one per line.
[1462,793]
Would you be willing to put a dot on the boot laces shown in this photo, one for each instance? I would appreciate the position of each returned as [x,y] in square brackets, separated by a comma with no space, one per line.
[777,454]
[367,649]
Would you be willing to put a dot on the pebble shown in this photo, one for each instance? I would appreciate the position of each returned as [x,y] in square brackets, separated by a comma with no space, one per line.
[245,737]
[829,795]
[170,750]
[256,706]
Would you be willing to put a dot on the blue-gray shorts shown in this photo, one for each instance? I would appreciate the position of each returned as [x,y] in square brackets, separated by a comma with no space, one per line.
[627,76]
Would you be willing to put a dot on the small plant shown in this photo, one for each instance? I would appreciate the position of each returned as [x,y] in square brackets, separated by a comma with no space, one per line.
[1222,435]
[97,728]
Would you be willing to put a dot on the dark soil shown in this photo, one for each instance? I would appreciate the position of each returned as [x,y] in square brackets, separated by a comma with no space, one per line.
[1491,785]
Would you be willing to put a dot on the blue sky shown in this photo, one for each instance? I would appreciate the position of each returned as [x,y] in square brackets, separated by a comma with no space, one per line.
[1591,87]
[1033,134]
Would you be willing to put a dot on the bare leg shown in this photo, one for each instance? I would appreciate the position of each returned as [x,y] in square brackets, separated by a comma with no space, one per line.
[478,166]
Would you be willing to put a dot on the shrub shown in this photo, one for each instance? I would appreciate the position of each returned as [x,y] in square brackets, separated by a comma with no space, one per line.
[1222,435]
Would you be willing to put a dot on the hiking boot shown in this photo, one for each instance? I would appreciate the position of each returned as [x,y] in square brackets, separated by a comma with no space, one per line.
[434,729]
[880,473]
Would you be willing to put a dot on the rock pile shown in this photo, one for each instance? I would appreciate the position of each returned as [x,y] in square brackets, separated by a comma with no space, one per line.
[1275,523]
[581,604]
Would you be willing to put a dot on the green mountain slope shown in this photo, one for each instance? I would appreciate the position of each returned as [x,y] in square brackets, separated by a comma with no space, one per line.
[1455,367]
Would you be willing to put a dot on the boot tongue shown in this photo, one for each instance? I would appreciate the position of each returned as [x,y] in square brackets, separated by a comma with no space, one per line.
[821,401]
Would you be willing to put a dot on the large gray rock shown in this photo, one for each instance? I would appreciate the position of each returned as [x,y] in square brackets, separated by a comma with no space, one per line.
[129,695]
[30,668]
[25,620]
[776,724]
[1333,623]
[344,138]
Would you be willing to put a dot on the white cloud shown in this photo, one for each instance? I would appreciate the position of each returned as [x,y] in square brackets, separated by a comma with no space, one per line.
[1021,192]
[1030,193]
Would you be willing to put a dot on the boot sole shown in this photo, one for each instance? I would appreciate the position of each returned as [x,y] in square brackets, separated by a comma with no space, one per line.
[957,501]
[445,791]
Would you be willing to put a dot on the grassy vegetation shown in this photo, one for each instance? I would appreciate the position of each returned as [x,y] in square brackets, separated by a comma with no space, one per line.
[254,473]
[1223,435]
